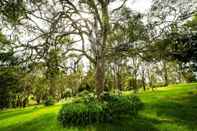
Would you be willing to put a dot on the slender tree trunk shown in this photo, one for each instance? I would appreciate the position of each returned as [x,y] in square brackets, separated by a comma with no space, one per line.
[119,85]
[118,78]
[165,74]
[150,80]
[143,80]
[179,70]
[135,80]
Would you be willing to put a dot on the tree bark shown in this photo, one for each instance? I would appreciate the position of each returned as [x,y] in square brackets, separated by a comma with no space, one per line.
[135,80]
[143,80]
[100,62]
[99,78]
[118,82]
[165,74]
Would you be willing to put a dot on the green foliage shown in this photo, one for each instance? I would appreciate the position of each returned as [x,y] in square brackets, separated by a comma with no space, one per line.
[52,63]
[89,110]
[72,82]
[53,72]
[3,40]
[8,86]
[12,10]
[88,82]
[192,23]
[12,89]
[6,51]
[123,105]
[81,114]
[50,101]
[39,85]
[64,40]
[125,35]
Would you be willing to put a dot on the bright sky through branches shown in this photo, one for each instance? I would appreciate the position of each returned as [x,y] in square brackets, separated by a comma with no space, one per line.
[139,5]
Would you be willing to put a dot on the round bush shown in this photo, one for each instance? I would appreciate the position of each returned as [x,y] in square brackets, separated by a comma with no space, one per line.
[90,111]
[81,114]
[123,105]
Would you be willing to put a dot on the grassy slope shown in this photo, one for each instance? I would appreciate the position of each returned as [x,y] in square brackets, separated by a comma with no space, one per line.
[166,109]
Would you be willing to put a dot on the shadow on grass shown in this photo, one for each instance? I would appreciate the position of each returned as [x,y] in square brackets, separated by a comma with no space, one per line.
[48,122]
[138,124]
[180,110]
[127,124]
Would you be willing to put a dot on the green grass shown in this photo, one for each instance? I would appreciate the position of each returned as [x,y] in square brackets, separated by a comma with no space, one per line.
[172,108]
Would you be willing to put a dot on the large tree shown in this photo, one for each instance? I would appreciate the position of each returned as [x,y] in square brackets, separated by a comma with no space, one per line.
[87,22]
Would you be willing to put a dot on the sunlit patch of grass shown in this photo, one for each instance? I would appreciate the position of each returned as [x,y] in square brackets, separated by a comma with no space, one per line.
[21,116]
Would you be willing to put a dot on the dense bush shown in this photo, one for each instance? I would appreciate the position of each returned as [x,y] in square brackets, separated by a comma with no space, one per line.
[81,114]
[50,101]
[89,110]
[123,105]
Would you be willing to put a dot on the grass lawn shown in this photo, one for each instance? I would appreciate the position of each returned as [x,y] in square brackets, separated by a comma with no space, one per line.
[172,108]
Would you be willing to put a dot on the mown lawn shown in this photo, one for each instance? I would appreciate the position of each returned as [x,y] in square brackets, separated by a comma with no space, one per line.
[172,108]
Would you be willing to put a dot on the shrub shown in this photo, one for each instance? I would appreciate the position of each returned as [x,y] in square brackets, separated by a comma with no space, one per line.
[88,110]
[124,105]
[136,104]
[50,101]
[81,114]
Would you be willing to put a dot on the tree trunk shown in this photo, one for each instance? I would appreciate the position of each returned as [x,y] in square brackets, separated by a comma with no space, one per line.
[38,100]
[99,78]
[150,80]
[118,80]
[102,43]
[143,80]
[165,74]
[119,84]
[179,70]
[135,81]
